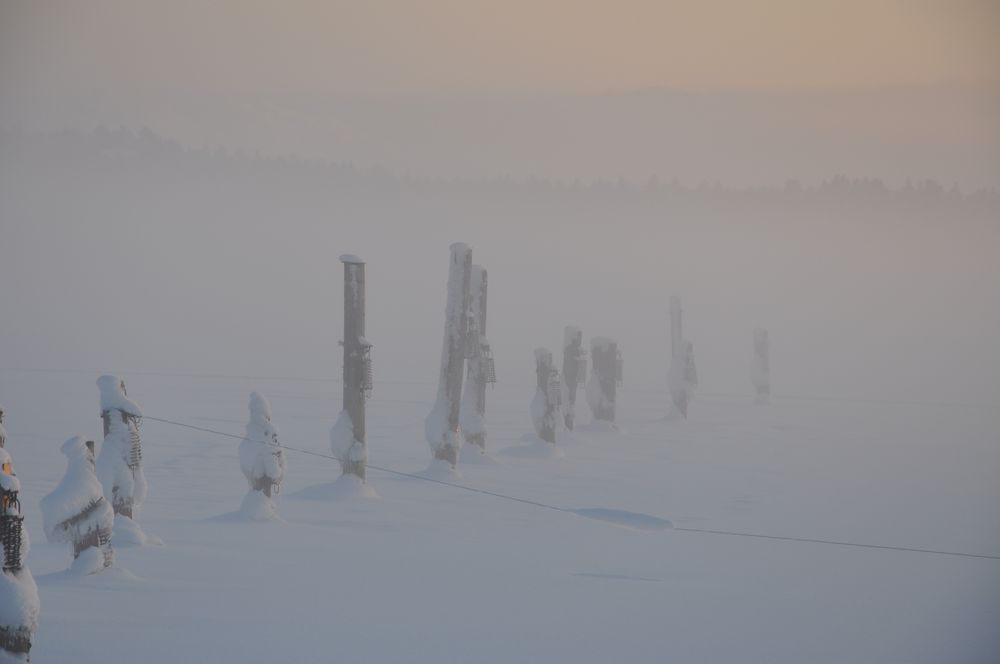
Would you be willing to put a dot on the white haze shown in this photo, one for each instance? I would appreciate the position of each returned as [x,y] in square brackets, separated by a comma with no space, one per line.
[128,254]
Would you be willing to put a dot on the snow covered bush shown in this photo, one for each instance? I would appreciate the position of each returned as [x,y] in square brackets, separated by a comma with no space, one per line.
[261,459]
[19,603]
[77,511]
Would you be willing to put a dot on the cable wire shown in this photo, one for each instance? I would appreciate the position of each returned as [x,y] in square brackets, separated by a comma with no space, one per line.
[535,503]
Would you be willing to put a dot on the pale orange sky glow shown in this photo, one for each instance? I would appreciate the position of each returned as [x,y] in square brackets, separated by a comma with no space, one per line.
[388,47]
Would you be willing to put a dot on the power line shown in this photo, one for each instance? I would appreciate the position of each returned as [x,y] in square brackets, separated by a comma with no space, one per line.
[578,512]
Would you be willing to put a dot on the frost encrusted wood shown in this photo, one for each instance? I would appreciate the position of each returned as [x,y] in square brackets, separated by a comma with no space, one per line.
[442,424]
[472,418]
[348,439]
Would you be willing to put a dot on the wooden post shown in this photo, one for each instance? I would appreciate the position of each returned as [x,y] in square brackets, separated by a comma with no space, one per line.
[679,359]
[574,370]
[602,395]
[481,370]
[3,432]
[124,501]
[760,371]
[548,396]
[442,424]
[20,618]
[357,365]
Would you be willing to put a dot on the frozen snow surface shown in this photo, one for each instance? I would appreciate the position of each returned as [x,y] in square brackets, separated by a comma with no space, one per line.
[432,573]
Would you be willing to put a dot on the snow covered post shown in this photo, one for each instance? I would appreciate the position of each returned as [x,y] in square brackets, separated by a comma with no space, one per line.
[442,424]
[18,592]
[472,417]
[3,432]
[347,438]
[682,376]
[574,371]
[119,465]
[77,511]
[760,370]
[605,376]
[261,460]
[548,396]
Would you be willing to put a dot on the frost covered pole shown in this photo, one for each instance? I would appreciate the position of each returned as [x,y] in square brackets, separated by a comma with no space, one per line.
[548,396]
[119,465]
[3,432]
[481,368]
[18,592]
[352,447]
[77,511]
[574,371]
[682,377]
[760,370]
[262,461]
[607,373]
[442,424]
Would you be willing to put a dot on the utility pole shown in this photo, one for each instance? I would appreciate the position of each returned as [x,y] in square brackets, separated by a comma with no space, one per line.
[442,424]
[607,374]
[574,370]
[481,368]
[358,381]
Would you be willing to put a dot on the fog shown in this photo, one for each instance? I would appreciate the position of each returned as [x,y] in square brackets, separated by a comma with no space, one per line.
[126,252]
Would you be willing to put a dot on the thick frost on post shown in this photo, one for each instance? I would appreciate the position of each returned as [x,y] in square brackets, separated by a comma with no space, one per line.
[77,511]
[262,461]
[3,432]
[442,424]
[119,464]
[682,376]
[760,369]
[546,404]
[605,376]
[472,416]
[348,440]
[18,592]
[574,371]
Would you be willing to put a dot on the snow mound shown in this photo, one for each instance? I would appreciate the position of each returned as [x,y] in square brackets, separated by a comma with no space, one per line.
[441,471]
[535,449]
[474,455]
[345,487]
[113,396]
[257,507]
[127,533]
[77,505]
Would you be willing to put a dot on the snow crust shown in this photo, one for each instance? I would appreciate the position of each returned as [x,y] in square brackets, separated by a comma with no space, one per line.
[343,444]
[257,507]
[350,258]
[113,397]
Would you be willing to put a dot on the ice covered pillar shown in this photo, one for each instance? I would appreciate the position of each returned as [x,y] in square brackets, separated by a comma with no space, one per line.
[682,377]
[442,424]
[18,592]
[574,371]
[603,386]
[548,396]
[481,370]
[352,448]
[119,465]
[760,370]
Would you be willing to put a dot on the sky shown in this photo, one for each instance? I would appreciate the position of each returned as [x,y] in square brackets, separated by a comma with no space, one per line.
[397,46]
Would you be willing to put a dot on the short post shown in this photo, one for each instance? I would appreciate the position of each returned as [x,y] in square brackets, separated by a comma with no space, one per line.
[682,376]
[548,396]
[357,369]
[603,387]
[442,424]
[17,586]
[481,370]
[574,370]
[119,465]
[760,370]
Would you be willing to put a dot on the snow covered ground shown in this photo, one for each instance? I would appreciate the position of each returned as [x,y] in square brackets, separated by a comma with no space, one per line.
[428,573]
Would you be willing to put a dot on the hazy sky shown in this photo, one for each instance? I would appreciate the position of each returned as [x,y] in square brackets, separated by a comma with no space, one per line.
[402,46]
